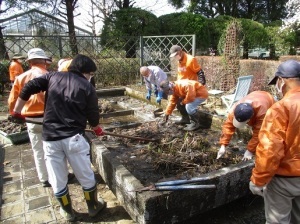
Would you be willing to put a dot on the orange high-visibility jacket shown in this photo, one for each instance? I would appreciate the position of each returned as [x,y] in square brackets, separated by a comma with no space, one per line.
[261,101]
[188,90]
[188,67]
[35,105]
[15,69]
[278,151]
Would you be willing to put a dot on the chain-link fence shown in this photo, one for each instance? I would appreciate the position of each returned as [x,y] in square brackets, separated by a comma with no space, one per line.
[118,59]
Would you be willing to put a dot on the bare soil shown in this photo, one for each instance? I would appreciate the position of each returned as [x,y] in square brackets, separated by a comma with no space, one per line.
[176,154]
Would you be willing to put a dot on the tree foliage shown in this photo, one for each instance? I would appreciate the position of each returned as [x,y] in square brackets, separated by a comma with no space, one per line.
[129,22]
[263,11]
[186,23]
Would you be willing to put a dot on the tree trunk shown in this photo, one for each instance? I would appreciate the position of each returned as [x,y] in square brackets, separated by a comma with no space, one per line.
[70,5]
[3,52]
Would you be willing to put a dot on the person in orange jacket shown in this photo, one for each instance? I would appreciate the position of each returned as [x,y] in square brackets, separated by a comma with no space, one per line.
[188,68]
[33,109]
[15,67]
[192,93]
[249,110]
[276,174]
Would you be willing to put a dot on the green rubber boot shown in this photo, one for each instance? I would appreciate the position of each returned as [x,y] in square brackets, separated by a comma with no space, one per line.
[66,210]
[95,205]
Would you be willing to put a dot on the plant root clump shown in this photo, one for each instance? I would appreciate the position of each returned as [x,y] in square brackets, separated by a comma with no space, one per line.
[9,127]
[176,153]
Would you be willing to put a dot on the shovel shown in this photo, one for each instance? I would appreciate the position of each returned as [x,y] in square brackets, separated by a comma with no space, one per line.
[158,112]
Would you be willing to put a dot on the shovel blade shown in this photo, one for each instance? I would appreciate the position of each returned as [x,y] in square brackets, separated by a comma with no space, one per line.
[158,112]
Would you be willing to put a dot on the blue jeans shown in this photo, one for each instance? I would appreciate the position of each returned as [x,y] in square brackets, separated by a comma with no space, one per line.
[192,107]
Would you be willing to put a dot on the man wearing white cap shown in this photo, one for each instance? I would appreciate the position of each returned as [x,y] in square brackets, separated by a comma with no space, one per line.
[34,108]
[276,175]
[250,110]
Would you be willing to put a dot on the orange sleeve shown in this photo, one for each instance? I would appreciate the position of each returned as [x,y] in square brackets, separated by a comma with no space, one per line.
[172,104]
[13,96]
[270,150]
[15,69]
[193,65]
[227,130]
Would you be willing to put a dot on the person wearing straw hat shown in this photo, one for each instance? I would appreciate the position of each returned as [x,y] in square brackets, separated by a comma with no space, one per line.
[15,67]
[251,111]
[276,172]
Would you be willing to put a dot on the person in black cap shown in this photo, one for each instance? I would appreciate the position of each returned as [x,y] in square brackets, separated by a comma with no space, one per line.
[249,110]
[193,94]
[71,101]
[188,68]
[276,174]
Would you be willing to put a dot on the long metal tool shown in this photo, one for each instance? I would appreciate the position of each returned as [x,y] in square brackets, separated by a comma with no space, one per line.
[126,136]
[155,187]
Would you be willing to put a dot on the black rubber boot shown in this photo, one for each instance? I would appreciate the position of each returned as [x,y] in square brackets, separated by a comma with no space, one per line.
[95,204]
[195,124]
[185,119]
[66,210]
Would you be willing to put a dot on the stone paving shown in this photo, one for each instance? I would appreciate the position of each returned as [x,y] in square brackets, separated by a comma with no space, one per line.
[24,200]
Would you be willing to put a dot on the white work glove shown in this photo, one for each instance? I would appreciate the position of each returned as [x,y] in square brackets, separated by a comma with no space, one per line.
[247,155]
[256,189]
[221,151]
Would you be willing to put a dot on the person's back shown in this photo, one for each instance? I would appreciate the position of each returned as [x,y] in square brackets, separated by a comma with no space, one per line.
[75,100]
[260,102]
[276,174]
[35,105]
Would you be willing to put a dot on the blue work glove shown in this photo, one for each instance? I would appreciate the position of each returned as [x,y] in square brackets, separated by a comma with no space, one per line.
[159,97]
[148,96]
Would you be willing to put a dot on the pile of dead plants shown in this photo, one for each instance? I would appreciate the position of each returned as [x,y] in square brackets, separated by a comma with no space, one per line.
[176,152]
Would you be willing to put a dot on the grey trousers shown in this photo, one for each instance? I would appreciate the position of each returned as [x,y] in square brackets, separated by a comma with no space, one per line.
[282,201]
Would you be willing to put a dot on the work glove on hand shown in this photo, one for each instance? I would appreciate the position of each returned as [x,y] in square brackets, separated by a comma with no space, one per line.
[148,96]
[221,151]
[98,131]
[16,118]
[247,155]
[256,189]
[159,97]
